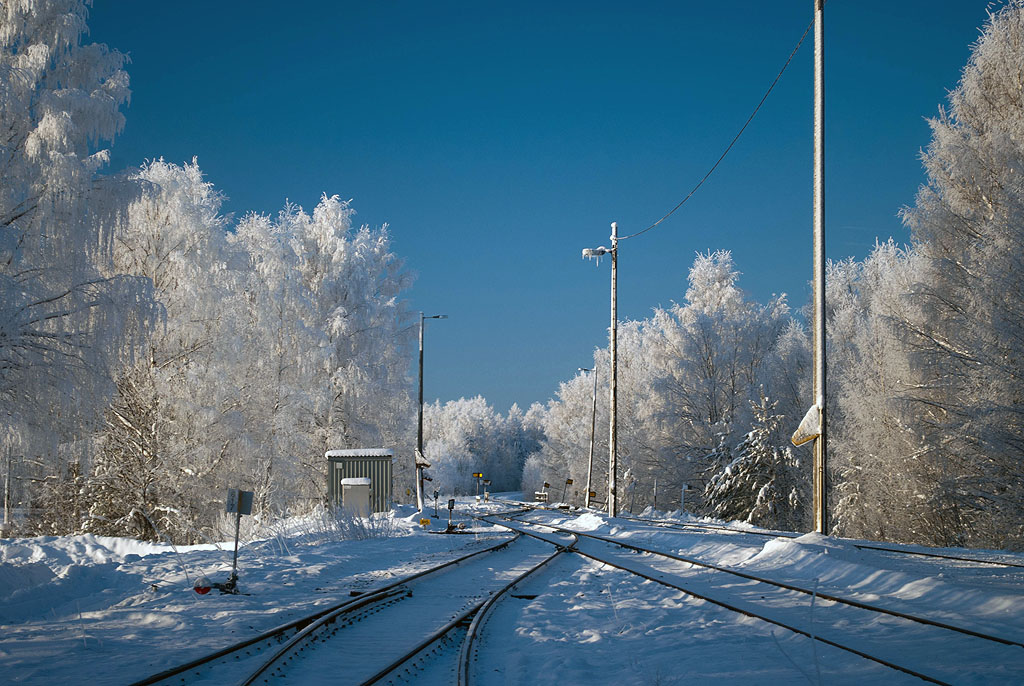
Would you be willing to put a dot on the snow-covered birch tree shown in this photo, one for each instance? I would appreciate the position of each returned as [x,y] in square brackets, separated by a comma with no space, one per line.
[175,427]
[63,317]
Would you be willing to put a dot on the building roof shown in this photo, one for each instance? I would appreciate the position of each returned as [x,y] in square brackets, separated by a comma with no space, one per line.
[361,452]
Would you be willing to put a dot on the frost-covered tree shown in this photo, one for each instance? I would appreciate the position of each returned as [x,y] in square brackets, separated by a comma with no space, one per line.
[64,317]
[883,485]
[711,357]
[325,303]
[687,376]
[564,448]
[175,428]
[968,226]
[283,338]
[467,436]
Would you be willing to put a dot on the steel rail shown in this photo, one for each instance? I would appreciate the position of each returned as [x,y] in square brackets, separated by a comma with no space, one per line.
[473,611]
[320,623]
[748,613]
[466,653]
[305,634]
[422,645]
[799,589]
[303,622]
[790,534]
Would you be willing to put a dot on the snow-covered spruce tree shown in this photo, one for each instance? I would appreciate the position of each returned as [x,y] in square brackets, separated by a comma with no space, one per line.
[61,319]
[968,226]
[764,483]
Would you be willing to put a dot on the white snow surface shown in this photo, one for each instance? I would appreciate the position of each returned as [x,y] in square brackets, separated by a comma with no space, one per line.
[120,610]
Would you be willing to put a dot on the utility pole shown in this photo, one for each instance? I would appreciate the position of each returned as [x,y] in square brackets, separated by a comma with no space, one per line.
[613,505]
[820,444]
[7,490]
[590,253]
[421,461]
[593,420]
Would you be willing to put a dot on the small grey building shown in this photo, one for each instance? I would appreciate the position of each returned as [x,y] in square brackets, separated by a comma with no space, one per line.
[372,463]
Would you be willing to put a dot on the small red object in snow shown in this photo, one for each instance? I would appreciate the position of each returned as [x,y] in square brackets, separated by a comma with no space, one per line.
[202,586]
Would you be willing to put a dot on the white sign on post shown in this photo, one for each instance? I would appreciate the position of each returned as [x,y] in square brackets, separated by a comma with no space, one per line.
[239,502]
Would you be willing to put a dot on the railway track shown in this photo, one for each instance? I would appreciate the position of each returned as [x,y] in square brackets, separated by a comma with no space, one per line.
[869,630]
[427,628]
[379,634]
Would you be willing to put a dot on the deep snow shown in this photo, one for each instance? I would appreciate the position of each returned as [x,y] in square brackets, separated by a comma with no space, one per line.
[116,610]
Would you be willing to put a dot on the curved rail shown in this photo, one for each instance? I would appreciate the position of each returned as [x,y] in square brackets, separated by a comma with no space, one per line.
[410,656]
[303,623]
[467,652]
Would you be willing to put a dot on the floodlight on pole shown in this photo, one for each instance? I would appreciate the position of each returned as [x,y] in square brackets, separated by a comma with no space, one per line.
[421,461]
[612,391]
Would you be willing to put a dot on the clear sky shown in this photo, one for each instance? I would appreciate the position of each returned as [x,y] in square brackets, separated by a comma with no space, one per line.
[499,139]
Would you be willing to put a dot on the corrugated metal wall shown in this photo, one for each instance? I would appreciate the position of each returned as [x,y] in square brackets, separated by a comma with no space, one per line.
[378,469]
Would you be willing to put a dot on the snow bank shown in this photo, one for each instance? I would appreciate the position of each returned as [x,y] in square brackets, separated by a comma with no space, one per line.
[586,522]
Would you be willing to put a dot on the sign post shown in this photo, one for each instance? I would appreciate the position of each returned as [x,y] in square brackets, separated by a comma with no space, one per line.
[568,482]
[240,503]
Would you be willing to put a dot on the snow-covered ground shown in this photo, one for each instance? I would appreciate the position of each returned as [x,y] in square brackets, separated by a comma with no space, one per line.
[111,611]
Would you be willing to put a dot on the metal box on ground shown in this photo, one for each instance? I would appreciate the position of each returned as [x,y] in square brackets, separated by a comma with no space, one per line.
[374,464]
[355,496]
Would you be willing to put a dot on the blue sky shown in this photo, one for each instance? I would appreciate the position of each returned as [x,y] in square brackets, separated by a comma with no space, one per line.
[498,140]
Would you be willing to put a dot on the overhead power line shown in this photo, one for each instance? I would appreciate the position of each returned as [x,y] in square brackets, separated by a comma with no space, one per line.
[733,142]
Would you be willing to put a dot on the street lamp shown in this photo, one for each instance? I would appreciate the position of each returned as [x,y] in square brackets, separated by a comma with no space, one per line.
[593,419]
[612,467]
[421,461]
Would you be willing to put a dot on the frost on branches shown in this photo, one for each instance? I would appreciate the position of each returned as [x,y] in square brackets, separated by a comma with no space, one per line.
[968,223]
[467,436]
[928,342]
[64,315]
[148,357]
[687,378]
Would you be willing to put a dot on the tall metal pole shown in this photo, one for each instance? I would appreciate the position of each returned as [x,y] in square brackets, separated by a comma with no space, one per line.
[820,443]
[613,506]
[7,484]
[421,461]
[419,430]
[593,420]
